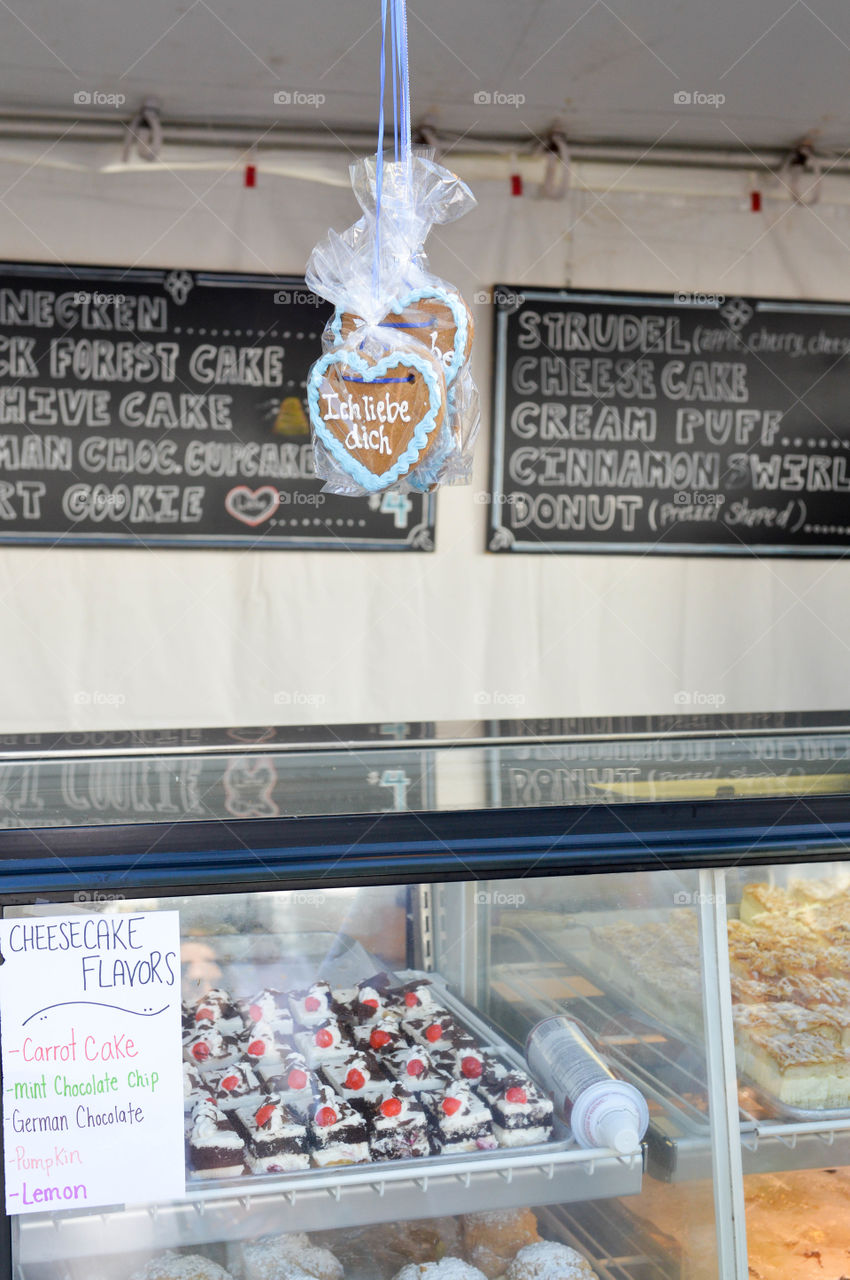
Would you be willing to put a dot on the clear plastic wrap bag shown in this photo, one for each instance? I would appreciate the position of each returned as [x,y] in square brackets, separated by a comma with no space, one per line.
[376,275]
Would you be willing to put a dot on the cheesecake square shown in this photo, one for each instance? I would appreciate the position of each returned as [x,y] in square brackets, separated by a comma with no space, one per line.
[275,1136]
[338,1133]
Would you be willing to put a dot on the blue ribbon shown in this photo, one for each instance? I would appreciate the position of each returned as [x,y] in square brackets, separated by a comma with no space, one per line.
[401,115]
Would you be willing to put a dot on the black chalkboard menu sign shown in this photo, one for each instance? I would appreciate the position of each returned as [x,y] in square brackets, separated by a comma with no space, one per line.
[166,408]
[684,424]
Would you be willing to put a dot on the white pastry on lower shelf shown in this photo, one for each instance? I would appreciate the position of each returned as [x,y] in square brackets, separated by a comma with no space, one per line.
[445,1269]
[549,1260]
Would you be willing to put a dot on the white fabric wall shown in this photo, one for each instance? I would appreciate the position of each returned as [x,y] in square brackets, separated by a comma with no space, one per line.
[136,638]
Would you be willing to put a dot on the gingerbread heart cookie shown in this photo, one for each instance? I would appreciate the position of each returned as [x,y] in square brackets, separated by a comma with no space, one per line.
[377,416]
[438,318]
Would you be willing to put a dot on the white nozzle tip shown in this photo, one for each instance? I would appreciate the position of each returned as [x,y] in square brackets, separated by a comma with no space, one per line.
[626,1141]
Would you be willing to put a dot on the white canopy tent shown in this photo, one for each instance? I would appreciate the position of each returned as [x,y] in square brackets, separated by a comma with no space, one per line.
[107,638]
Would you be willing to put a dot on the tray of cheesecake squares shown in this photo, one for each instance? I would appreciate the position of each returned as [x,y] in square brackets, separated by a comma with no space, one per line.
[789,962]
[391,1068]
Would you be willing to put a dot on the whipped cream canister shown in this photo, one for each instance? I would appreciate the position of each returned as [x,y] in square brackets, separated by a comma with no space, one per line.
[601,1110]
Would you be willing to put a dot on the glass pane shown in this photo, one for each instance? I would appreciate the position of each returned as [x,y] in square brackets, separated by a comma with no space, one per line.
[789,956]
[460,772]
[605,952]
[453,978]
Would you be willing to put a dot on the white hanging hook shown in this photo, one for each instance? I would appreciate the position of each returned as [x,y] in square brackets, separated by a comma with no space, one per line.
[428,134]
[799,162]
[144,132]
[556,179]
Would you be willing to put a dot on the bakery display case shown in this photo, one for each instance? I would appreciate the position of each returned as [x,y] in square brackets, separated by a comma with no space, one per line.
[372,926]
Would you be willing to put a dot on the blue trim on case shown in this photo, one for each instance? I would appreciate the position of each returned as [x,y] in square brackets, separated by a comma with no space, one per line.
[408,847]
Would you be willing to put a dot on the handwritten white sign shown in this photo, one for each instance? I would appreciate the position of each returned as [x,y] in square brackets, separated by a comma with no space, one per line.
[92,1077]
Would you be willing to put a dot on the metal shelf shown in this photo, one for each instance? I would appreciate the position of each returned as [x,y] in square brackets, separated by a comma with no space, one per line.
[679,1137]
[458,1184]
[613,1243]
[808,1144]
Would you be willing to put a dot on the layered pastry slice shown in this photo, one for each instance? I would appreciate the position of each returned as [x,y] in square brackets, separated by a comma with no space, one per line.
[275,1137]
[460,1120]
[364,1003]
[323,1044]
[209,1048]
[272,1007]
[413,997]
[416,1071]
[398,1126]
[261,1043]
[784,1016]
[840,1014]
[464,1055]
[357,1076]
[338,1134]
[216,1150]
[292,1079]
[312,1005]
[432,1028]
[219,1008]
[802,1069]
[230,1086]
[522,1115]
[384,1037]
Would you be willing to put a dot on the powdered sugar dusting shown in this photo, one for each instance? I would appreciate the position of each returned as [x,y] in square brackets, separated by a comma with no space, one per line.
[549,1261]
[445,1269]
[177,1266]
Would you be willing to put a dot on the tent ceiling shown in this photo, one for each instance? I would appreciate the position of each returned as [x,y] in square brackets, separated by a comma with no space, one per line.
[609,70]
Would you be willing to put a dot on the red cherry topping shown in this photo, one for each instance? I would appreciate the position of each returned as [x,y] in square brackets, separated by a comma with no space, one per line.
[230,1082]
[371,1002]
[411,999]
[471,1067]
[379,1038]
[415,1067]
[201,1051]
[451,1105]
[325,1116]
[355,1079]
[264,1115]
[312,1003]
[257,1048]
[204,1014]
[434,1032]
[391,1107]
[256,1013]
[297,1079]
[515,1094]
[324,1038]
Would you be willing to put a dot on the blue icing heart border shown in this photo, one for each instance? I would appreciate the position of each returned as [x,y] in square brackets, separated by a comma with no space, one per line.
[452,300]
[370,480]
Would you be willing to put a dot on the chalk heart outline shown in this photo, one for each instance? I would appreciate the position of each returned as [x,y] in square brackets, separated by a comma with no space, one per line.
[370,480]
[240,494]
[455,304]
